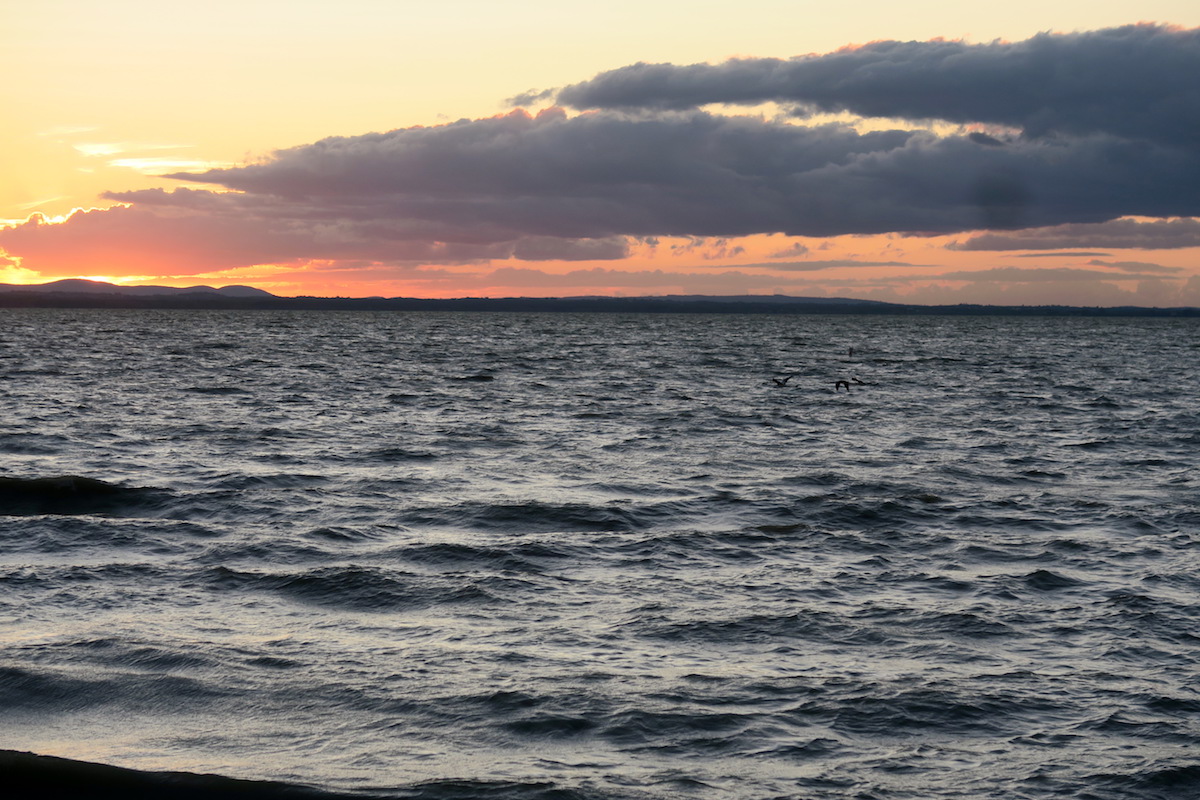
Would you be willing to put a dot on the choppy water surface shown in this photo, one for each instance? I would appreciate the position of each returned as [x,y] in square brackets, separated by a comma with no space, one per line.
[604,556]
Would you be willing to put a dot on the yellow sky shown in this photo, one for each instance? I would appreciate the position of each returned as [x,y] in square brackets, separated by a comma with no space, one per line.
[106,96]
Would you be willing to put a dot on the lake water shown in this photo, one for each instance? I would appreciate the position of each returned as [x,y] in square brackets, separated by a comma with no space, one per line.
[602,556]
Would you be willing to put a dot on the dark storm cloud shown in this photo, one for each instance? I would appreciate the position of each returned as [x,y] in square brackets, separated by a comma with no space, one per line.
[1137,81]
[595,176]
[984,139]
[601,175]
[342,223]
[1162,234]
[549,248]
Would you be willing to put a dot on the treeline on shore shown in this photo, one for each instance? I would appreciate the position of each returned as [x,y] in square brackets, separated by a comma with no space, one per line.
[688,305]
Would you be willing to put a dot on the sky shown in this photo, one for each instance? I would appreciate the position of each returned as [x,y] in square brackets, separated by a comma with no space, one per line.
[1019,153]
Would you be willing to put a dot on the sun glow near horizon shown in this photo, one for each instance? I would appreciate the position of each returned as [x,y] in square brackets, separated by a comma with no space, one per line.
[887,267]
[659,165]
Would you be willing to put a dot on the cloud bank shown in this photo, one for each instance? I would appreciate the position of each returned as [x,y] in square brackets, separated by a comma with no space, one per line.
[1133,82]
[1082,130]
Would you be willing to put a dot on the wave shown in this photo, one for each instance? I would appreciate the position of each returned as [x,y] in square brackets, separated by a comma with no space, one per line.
[358,588]
[217,390]
[625,567]
[72,494]
[31,775]
[28,775]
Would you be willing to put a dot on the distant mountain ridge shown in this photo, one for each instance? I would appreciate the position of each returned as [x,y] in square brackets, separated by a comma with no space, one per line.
[80,293]
[82,286]
[761,298]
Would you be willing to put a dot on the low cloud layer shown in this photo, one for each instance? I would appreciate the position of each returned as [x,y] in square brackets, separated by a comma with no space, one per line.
[1141,267]
[816,265]
[192,231]
[693,173]
[1161,234]
[1045,275]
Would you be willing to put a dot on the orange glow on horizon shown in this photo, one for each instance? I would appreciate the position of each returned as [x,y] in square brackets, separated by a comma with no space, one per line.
[890,267]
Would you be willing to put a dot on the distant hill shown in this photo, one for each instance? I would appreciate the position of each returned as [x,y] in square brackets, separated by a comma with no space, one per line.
[81,286]
[78,293]
[765,299]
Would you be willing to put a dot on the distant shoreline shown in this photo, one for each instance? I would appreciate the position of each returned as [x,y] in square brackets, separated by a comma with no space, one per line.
[653,305]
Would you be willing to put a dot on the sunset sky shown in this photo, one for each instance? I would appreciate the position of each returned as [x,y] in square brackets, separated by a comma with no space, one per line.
[1017,153]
